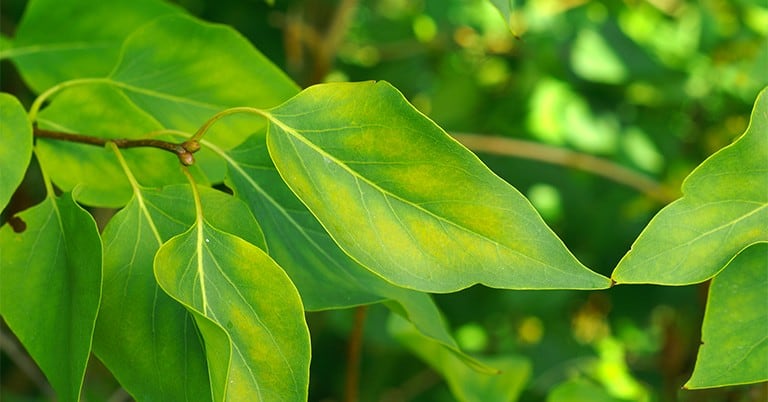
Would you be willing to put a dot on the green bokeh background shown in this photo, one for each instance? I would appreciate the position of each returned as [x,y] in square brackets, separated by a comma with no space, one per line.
[654,86]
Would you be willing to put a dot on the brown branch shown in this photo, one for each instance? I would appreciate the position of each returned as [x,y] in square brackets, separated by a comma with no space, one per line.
[565,157]
[353,356]
[182,150]
[325,53]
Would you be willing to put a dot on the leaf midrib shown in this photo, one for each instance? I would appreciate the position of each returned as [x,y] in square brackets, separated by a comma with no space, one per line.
[387,193]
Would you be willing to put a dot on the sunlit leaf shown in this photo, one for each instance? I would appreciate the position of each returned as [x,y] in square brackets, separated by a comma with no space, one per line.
[82,38]
[407,201]
[325,276]
[50,286]
[16,134]
[153,348]
[183,71]
[249,314]
[724,210]
[466,384]
[734,346]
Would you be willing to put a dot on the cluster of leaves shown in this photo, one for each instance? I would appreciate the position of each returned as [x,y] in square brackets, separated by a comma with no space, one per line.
[340,195]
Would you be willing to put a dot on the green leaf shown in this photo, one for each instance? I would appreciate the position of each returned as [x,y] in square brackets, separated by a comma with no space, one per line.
[326,277]
[248,312]
[104,112]
[465,384]
[580,390]
[734,346]
[407,201]
[153,348]
[82,38]
[724,210]
[50,286]
[183,71]
[16,135]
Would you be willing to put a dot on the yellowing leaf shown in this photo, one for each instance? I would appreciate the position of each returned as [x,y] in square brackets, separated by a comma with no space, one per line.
[407,201]
[147,339]
[247,310]
[724,210]
[326,277]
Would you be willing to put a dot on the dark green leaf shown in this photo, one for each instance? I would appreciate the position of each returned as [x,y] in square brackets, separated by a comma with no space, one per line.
[407,201]
[50,286]
[15,154]
[724,210]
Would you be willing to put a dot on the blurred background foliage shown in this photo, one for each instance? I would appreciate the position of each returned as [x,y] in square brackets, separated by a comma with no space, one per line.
[654,86]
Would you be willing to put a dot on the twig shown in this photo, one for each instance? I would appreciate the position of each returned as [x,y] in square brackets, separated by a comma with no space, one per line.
[565,157]
[182,150]
[353,356]
[326,51]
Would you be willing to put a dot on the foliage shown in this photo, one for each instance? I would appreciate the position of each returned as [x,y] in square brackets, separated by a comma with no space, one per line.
[236,202]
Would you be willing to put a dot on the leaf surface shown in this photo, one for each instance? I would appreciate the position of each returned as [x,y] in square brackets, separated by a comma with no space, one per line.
[82,38]
[407,201]
[249,313]
[734,346]
[326,277]
[16,134]
[183,71]
[724,209]
[50,286]
[465,384]
[153,347]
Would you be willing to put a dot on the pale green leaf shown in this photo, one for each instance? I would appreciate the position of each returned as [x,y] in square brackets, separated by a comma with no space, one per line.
[249,314]
[325,276]
[15,154]
[407,201]
[153,348]
[50,286]
[466,384]
[183,71]
[724,210]
[62,40]
[734,346]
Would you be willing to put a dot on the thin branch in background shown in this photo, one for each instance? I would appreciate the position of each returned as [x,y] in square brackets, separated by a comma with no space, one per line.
[24,362]
[351,386]
[565,157]
[325,52]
